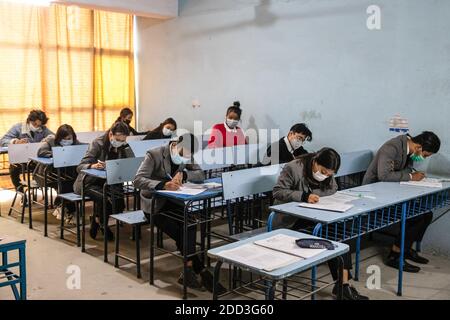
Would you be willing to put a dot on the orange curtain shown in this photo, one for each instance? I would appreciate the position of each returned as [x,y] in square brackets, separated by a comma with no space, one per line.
[75,64]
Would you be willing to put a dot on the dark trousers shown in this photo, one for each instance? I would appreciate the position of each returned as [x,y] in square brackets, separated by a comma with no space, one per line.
[333,264]
[15,170]
[95,192]
[415,229]
[174,229]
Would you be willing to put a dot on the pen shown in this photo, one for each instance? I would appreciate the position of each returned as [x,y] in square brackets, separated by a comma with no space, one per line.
[169,176]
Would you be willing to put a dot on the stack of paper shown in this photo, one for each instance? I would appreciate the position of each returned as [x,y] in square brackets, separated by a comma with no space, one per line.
[259,257]
[337,202]
[426,182]
[286,244]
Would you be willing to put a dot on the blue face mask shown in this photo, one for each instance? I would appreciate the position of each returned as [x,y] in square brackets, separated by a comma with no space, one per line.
[417,158]
[177,159]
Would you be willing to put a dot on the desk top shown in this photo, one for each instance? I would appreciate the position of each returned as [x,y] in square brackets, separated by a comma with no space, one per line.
[207,194]
[291,269]
[44,161]
[385,193]
[95,173]
[9,241]
[3,150]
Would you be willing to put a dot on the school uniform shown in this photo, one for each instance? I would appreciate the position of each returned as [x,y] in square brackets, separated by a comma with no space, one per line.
[392,163]
[17,132]
[293,185]
[284,150]
[151,176]
[70,173]
[223,136]
[101,149]
[155,135]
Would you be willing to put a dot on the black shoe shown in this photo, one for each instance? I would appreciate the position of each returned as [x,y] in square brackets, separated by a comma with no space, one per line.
[414,256]
[191,280]
[94,229]
[349,293]
[208,282]
[393,261]
[108,234]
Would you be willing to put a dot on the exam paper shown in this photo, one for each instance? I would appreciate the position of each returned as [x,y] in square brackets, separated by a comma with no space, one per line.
[425,182]
[189,191]
[286,244]
[337,202]
[259,257]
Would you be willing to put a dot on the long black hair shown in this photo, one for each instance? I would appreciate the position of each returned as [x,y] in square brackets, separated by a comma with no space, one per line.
[64,131]
[159,128]
[117,128]
[325,157]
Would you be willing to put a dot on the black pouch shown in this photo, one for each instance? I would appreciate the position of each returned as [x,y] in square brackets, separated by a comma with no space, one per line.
[312,243]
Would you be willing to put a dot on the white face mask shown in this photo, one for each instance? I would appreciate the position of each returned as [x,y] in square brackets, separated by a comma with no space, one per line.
[296,143]
[35,129]
[167,132]
[66,143]
[232,123]
[176,158]
[117,144]
[319,176]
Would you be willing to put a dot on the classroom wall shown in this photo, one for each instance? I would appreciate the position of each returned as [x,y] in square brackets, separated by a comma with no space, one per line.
[314,61]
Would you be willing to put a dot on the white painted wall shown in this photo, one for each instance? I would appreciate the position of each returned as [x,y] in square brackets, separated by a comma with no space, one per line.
[307,60]
[147,8]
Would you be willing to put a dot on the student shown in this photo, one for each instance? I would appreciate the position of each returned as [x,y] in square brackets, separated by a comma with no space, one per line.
[306,179]
[65,136]
[289,147]
[393,163]
[165,130]
[126,115]
[31,131]
[110,146]
[167,168]
[228,134]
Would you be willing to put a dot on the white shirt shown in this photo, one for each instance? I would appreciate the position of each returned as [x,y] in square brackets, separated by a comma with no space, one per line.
[288,144]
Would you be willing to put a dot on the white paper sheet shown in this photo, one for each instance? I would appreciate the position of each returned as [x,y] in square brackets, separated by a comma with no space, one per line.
[259,257]
[206,185]
[189,191]
[337,202]
[425,182]
[286,244]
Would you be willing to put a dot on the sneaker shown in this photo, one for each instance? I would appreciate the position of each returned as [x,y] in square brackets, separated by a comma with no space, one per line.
[57,213]
[349,293]
[207,281]
[191,280]
[70,221]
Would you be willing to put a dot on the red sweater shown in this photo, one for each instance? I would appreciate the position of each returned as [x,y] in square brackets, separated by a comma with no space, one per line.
[222,136]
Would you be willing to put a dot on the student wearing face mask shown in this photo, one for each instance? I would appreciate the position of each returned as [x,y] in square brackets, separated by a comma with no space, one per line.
[126,116]
[306,179]
[167,168]
[110,146]
[31,131]
[65,136]
[394,163]
[289,147]
[228,134]
[165,130]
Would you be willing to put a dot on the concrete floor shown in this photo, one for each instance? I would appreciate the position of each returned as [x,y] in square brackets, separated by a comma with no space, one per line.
[49,258]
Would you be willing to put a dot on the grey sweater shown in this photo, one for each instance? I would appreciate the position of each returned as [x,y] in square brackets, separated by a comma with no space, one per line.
[291,186]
